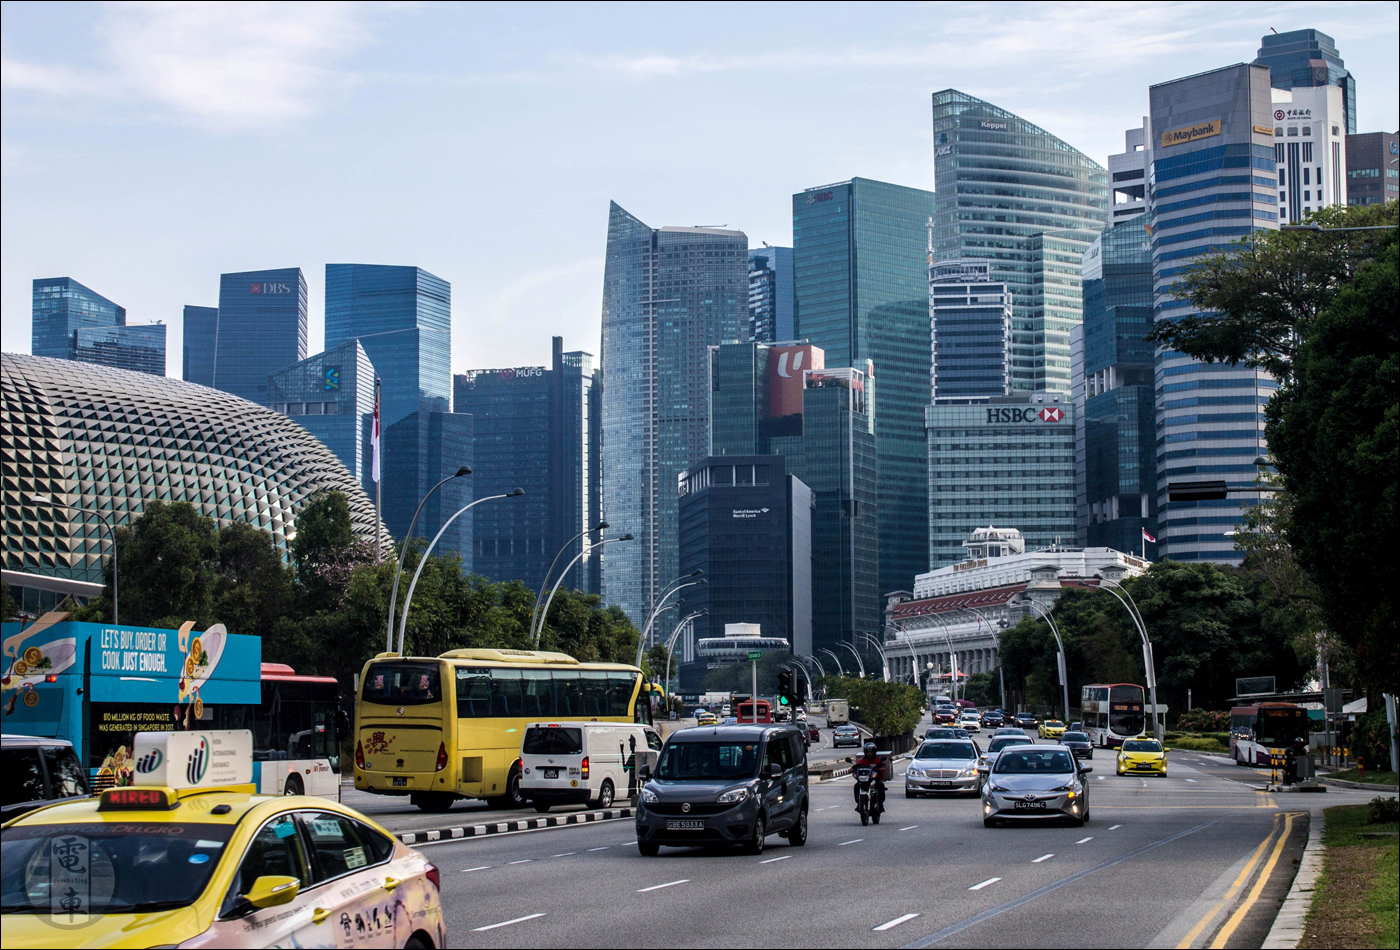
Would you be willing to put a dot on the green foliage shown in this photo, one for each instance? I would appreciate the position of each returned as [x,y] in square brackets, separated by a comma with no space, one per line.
[1383,811]
[889,709]
[984,689]
[655,662]
[738,677]
[1204,720]
[1199,744]
[8,605]
[168,560]
[1370,740]
[253,589]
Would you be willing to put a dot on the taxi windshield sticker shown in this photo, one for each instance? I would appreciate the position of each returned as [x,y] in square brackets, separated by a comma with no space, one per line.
[355,857]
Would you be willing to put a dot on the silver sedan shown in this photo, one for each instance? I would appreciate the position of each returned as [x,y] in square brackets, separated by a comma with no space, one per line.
[1035,781]
[943,765]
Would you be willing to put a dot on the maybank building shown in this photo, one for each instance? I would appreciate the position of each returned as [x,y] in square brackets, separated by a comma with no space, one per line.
[1212,181]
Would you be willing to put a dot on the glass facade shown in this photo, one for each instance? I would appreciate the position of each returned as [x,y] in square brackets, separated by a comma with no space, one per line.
[970,321]
[668,295]
[860,276]
[1011,193]
[330,395]
[1308,58]
[139,348]
[1212,144]
[770,294]
[201,332]
[420,450]
[62,306]
[1003,461]
[261,328]
[1373,177]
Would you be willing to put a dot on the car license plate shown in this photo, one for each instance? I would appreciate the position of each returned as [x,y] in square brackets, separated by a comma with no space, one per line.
[400,780]
[685,825]
[941,784]
[1030,806]
[551,773]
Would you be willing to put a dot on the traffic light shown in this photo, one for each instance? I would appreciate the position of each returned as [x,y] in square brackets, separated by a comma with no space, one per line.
[787,688]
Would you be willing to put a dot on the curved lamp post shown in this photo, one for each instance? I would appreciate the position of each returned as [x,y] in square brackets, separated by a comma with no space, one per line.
[601,526]
[817,662]
[422,562]
[900,627]
[1064,673]
[1147,658]
[860,664]
[952,653]
[403,553]
[107,521]
[836,659]
[539,631]
[661,605]
[685,621]
[1001,674]
[884,659]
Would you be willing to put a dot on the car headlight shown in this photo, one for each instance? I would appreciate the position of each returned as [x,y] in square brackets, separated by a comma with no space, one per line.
[732,796]
[915,773]
[969,771]
[649,796]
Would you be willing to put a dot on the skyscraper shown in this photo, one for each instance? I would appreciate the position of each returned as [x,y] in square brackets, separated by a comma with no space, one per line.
[330,395]
[668,295]
[1212,148]
[1303,58]
[1373,176]
[860,275]
[1128,169]
[139,348]
[770,294]
[201,334]
[970,320]
[61,307]
[532,429]
[420,450]
[1310,149]
[261,328]
[1000,182]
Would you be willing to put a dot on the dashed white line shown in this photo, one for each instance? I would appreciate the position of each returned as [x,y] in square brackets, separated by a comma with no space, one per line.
[908,827]
[506,923]
[1115,827]
[989,881]
[1043,857]
[563,854]
[657,887]
[891,924]
[779,858]
[626,843]
[852,841]
[484,867]
[1190,780]
[523,861]
[1085,840]
[603,848]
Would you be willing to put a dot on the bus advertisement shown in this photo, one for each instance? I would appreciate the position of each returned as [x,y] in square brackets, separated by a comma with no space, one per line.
[98,685]
[1112,712]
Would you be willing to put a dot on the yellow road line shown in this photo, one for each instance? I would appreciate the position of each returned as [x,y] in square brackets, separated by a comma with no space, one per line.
[1238,916]
[1230,892]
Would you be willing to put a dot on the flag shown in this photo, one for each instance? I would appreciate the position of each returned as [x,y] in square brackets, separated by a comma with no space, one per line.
[1147,537]
[374,465]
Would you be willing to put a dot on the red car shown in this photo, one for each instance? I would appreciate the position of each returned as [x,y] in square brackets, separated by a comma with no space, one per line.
[945,714]
[814,734]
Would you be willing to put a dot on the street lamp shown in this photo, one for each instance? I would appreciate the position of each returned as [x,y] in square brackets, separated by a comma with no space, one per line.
[1147,658]
[884,660]
[900,627]
[661,605]
[110,525]
[688,619]
[1064,674]
[423,561]
[836,659]
[563,574]
[403,552]
[820,669]
[1001,674]
[860,664]
[601,526]
[952,653]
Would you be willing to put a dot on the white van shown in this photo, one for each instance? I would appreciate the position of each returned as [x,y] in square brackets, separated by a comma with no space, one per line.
[593,763]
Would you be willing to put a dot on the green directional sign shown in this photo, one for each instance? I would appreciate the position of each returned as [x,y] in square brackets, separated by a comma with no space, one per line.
[755,655]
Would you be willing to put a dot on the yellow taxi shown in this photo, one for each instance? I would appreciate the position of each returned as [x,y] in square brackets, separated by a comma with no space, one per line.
[190,855]
[1142,756]
[1051,729]
[706,718]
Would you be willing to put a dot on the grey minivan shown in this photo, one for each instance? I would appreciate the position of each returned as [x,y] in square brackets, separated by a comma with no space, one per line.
[725,785]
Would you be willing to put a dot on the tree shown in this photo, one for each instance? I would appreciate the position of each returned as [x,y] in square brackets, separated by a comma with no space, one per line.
[8,607]
[253,588]
[169,558]
[888,709]
[324,549]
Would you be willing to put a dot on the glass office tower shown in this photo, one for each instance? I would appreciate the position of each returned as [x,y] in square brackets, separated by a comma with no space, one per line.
[262,328]
[1001,181]
[420,450]
[61,306]
[970,322]
[668,295]
[1301,58]
[201,332]
[330,394]
[140,348]
[1373,177]
[770,294]
[402,317]
[860,276]
[1212,148]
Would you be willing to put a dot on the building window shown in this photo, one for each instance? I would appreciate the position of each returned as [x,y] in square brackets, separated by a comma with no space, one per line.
[1307,151]
[1292,131]
[1307,130]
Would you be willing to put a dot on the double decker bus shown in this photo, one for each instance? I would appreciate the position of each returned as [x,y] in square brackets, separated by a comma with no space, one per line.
[442,728]
[97,686]
[1257,732]
[1113,712]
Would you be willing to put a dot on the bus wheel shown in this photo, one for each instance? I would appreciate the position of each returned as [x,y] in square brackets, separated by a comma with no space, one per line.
[433,802]
[294,786]
[514,797]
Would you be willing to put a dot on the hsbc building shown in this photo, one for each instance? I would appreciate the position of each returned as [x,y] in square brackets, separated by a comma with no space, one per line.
[1006,461]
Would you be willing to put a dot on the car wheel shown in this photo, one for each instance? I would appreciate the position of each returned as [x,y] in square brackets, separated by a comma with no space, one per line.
[797,836]
[294,786]
[1079,822]
[541,807]
[909,794]
[989,822]
[605,795]
[514,797]
[648,849]
[755,844]
[416,942]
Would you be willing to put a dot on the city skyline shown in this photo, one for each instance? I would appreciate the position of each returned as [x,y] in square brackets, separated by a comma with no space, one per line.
[213,146]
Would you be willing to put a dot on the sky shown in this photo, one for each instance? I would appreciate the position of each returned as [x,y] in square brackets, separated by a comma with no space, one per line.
[146,148]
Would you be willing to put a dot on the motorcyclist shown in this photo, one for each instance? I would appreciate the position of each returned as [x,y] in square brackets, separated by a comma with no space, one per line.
[879,772]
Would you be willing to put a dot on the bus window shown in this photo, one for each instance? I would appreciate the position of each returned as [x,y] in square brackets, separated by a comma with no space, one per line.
[402,684]
[506,701]
[595,692]
[537,694]
[568,694]
[621,686]
[473,694]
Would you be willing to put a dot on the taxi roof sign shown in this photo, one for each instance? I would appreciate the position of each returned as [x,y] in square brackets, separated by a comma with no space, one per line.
[185,760]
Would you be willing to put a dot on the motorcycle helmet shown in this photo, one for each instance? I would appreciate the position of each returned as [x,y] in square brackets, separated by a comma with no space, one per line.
[870,748]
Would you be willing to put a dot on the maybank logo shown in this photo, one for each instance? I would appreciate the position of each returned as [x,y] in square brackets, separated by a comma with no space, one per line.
[1201,130]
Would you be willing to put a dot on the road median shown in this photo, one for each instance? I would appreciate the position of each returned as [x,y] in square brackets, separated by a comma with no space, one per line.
[484,829]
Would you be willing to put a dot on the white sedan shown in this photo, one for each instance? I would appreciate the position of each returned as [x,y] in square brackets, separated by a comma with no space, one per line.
[970,722]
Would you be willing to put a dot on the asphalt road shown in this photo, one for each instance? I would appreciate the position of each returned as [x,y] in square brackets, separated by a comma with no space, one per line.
[1201,858]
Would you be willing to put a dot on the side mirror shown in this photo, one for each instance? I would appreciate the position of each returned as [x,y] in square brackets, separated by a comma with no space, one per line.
[1084,770]
[851,760]
[984,770]
[271,890]
[644,771]
[775,770]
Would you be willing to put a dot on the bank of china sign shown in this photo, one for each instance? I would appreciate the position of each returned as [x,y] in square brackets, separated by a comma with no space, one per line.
[1190,133]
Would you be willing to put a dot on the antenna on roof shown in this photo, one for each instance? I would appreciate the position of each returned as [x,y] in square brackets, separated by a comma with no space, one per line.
[1273,31]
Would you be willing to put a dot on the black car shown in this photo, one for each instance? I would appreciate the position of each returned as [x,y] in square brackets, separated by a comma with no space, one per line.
[38,771]
[1079,744]
[992,718]
[1023,721]
[730,785]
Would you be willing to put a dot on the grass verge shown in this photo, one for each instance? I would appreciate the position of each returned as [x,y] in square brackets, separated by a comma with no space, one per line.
[1372,777]
[1197,744]
[1357,897]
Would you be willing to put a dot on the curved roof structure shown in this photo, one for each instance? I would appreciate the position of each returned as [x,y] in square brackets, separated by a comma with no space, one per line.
[108,441]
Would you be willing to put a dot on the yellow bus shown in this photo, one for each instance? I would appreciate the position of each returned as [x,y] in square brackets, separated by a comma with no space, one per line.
[442,728]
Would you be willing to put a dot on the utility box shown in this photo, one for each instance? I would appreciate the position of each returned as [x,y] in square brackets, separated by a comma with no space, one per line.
[838,712]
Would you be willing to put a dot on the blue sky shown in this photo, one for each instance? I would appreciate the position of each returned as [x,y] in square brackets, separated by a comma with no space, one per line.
[149,147]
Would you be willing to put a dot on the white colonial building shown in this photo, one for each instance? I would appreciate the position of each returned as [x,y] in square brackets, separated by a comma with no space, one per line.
[953,618]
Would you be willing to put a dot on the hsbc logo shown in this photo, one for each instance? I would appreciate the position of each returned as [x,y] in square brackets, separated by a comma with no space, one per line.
[1050,414]
[1002,414]
[270,288]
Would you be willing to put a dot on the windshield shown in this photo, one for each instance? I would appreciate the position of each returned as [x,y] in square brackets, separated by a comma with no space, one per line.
[1034,762]
[551,740]
[1141,745]
[1001,742]
[700,761]
[946,750]
[402,684]
[129,867]
[1126,719]
[1076,737]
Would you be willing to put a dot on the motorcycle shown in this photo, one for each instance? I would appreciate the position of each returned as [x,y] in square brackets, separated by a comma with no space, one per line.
[868,799]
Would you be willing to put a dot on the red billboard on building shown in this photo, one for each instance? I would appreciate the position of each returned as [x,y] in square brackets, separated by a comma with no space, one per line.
[786,365]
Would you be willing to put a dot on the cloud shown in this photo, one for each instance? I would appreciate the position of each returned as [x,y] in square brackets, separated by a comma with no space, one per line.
[223,65]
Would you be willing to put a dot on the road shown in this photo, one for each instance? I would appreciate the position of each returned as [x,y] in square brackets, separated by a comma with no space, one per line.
[1201,858]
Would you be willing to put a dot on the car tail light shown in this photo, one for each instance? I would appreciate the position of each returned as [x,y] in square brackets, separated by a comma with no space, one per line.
[442,757]
[430,871]
[583,768]
[359,755]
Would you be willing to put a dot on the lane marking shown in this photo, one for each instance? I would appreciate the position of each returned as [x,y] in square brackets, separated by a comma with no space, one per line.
[1085,840]
[657,887]
[506,923]
[1230,892]
[941,935]
[1238,916]
[626,843]
[603,848]
[891,924]
[1043,857]
[563,854]
[779,858]
[523,861]
[1115,827]
[909,828]
[484,867]
[988,881]
[1190,780]
[852,841]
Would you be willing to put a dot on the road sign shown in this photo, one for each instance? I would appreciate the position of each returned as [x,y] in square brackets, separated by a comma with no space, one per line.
[755,655]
